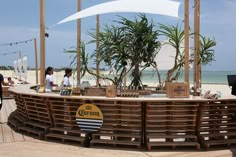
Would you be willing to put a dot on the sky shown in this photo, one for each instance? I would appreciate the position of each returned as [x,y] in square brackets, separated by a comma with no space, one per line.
[20,21]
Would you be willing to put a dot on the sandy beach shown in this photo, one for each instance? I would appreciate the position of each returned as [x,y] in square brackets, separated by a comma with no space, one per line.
[58,77]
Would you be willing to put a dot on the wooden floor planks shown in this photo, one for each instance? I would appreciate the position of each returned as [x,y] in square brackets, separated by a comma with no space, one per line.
[8,107]
[6,133]
[1,134]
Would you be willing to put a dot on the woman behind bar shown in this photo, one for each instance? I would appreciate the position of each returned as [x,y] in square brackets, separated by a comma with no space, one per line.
[10,81]
[49,79]
[66,80]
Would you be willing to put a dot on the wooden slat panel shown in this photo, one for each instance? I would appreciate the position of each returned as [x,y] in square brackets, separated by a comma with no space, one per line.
[171,124]
[216,124]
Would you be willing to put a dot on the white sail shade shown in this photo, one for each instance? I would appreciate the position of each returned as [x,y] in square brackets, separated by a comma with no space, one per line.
[162,7]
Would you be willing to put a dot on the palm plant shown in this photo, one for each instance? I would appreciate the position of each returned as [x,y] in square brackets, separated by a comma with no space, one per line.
[175,35]
[206,53]
[133,42]
[141,45]
[112,52]
[83,59]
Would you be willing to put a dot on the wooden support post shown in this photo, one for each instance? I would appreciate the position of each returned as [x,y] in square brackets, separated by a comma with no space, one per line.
[97,45]
[78,44]
[36,60]
[186,41]
[197,65]
[20,63]
[42,44]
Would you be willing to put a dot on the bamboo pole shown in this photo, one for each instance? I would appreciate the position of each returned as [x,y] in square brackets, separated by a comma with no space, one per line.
[21,62]
[196,45]
[36,60]
[186,41]
[42,43]
[199,65]
[78,44]
[97,45]
[20,54]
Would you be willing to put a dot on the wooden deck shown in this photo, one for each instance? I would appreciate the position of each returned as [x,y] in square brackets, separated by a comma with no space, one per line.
[14,144]
[6,133]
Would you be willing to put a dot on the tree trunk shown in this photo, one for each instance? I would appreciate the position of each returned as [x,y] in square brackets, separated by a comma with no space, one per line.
[136,76]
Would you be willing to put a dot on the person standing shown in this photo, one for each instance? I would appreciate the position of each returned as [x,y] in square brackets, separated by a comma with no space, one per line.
[66,80]
[2,83]
[233,91]
[49,79]
[10,81]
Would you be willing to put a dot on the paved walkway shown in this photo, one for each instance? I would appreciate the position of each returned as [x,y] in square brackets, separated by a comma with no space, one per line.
[13,144]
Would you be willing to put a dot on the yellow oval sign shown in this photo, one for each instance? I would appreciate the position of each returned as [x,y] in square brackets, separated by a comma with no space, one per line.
[89,117]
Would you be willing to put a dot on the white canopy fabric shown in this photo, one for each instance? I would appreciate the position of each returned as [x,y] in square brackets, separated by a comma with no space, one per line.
[162,7]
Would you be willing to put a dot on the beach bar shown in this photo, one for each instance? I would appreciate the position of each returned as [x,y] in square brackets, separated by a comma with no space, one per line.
[174,120]
[140,122]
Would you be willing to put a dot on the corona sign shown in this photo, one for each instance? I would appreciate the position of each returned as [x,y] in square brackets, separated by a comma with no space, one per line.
[89,118]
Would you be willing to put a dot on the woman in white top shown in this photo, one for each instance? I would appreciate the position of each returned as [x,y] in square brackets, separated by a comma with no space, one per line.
[66,80]
[49,79]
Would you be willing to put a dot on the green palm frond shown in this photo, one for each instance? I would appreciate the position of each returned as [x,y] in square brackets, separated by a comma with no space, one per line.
[206,52]
[83,58]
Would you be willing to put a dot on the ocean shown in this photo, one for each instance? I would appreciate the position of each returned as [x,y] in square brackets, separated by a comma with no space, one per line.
[209,77]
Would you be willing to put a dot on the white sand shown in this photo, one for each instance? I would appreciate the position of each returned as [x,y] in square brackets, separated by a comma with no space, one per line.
[58,77]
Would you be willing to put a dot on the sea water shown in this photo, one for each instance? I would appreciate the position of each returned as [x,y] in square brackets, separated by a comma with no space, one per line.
[150,77]
[211,77]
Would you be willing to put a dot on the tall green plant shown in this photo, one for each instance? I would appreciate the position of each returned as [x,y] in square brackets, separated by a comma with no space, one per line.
[175,36]
[83,59]
[206,52]
[142,45]
[131,42]
[112,52]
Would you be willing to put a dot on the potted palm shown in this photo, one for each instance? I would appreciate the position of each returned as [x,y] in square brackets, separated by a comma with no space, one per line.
[134,43]
[175,36]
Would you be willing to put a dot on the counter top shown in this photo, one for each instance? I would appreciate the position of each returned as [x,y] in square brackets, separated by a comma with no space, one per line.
[25,89]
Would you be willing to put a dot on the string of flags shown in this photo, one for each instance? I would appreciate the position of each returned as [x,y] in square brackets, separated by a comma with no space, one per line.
[7,53]
[18,42]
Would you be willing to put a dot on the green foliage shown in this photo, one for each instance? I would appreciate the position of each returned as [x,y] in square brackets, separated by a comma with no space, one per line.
[83,59]
[206,52]
[132,42]
[135,43]
[175,36]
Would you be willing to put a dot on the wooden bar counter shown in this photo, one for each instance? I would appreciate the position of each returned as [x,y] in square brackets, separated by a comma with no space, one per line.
[148,122]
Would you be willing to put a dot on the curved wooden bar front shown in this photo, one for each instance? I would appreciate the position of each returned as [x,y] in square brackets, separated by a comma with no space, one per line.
[140,122]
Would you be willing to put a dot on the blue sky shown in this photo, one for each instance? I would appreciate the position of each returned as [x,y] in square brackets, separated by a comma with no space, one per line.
[19,21]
